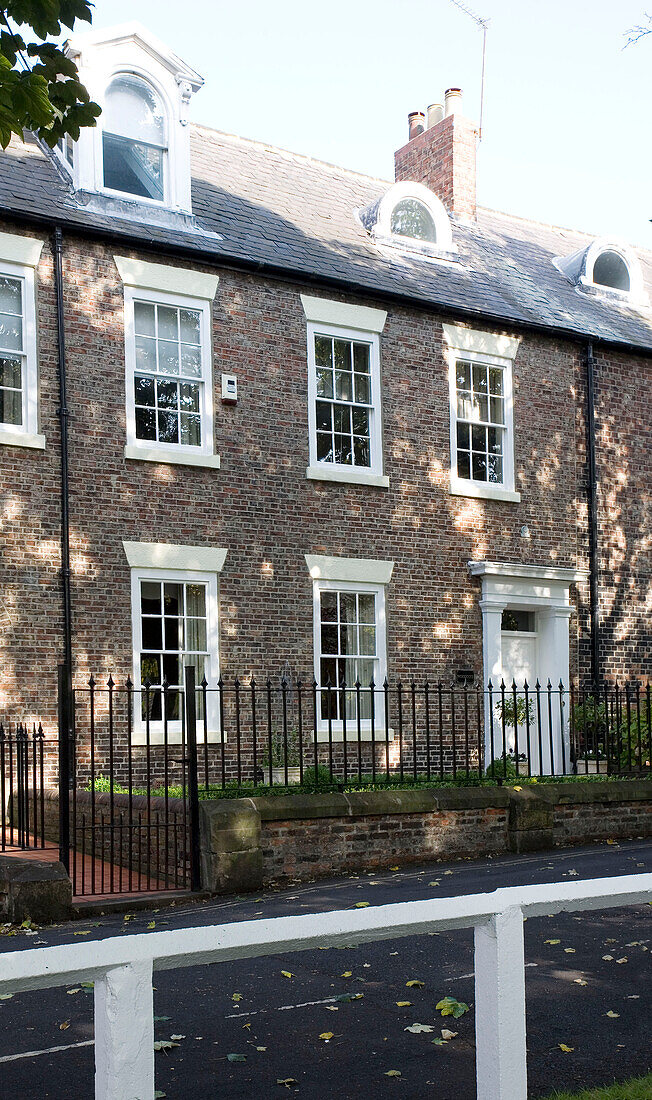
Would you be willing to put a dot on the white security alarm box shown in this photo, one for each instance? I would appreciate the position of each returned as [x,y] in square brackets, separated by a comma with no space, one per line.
[229,389]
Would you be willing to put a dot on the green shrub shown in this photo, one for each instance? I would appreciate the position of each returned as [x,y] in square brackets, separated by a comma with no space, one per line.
[503,767]
[319,779]
[634,747]
[103,783]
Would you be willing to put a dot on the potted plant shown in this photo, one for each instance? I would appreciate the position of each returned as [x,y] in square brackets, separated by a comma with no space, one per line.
[284,750]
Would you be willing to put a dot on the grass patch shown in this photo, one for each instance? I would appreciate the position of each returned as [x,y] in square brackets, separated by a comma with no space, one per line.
[638,1088]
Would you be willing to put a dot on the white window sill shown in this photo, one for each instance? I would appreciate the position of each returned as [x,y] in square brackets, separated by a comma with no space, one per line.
[381,735]
[172,458]
[157,737]
[353,476]
[22,439]
[461,488]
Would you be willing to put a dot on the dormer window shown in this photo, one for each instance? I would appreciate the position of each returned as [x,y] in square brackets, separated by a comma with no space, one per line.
[134,139]
[410,217]
[611,270]
[608,269]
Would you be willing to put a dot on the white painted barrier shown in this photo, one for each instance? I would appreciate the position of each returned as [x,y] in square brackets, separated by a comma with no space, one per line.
[122,968]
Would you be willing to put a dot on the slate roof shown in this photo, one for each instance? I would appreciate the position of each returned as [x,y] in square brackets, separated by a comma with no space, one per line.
[262,206]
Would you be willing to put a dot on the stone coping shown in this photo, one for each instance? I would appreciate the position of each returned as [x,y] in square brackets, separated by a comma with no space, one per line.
[121,801]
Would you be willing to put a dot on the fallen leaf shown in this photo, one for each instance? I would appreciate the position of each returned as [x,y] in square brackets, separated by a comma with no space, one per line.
[64,1026]
[414,983]
[613,1015]
[552,941]
[607,958]
[236,996]
[6,996]
[361,904]
[176,1038]
[326,1035]
[566,1050]
[434,883]
[332,1008]
[161,1019]
[403,1004]
[623,960]
[517,788]
[416,1029]
[579,981]
[446,1034]
[261,1048]
[450,1006]
[287,1081]
[152,924]
[236,1057]
[86,933]
[449,872]
[395,868]
[569,950]
[287,973]
[393,1073]
[158,1095]
[439,1042]
[164,1044]
[71,992]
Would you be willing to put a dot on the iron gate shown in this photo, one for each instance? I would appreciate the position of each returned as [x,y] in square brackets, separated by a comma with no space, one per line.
[129,814]
[23,750]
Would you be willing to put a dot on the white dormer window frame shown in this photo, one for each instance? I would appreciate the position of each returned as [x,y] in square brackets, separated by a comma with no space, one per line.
[598,248]
[132,51]
[382,230]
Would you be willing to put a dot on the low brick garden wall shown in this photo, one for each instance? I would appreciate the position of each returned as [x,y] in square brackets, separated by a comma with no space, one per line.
[249,842]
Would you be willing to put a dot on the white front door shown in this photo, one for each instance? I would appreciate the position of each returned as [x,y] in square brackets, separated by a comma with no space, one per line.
[519,645]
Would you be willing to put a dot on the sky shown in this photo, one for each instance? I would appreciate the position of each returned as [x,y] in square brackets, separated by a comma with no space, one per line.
[567,136]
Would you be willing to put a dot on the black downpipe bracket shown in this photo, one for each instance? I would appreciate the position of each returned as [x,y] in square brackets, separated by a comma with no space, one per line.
[594,578]
[65,669]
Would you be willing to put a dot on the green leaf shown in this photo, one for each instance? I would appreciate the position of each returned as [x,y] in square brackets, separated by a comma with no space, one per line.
[450,1006]
[236,1058]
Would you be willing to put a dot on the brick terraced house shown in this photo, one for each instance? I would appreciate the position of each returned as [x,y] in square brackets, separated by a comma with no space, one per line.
[295,421]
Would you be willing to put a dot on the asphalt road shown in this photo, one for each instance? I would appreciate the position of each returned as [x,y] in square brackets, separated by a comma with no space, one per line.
[275,1022]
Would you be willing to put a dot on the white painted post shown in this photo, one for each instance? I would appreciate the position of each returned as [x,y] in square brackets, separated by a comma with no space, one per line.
[500,1054]
[124,1033]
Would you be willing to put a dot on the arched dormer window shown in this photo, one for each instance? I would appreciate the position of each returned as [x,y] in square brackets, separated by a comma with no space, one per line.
[611,270]
[608,268]
[134,139]
[410,217]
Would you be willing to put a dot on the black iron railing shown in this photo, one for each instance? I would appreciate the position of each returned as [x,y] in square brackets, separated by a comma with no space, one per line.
[22,786]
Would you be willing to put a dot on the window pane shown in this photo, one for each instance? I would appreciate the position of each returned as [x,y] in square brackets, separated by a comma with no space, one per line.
[173,633]
[495,468]
[150,668]
[144,319]
[463,436]
[360,420]
[168,427]
[323,351]
[361,453]
[168,357]
[168,323]
[363,388]
[463,373]
[348,639]
[464,407]
[367,607]
[342,355]
[479,378]
[144,391]
[150,597]
[481,407]
[361,358]
[478,438]
[152,633]
[145,424]
[167,394]
[189,324]
[347,607]
[11,407]
[368,640]
[189,397]
[190,430]
[343,386]
[365,674]
[132,167]
[495,441]
[496,380]
[11,332]
[324,383]
[328,601]
[328,671]
[324,447]
[146,353]
[328,639]
[196,634]
[342,418]
[133,110]
[11,295]
[410,218]
[10,373]
[323,416]
[343,450]
[191,360]
[497,410]
[463,464]
[196,599]
[172,674]
[479,467]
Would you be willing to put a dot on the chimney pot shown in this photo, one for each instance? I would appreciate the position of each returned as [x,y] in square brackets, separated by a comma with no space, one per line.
[434,115]
[416,124]
[453,101]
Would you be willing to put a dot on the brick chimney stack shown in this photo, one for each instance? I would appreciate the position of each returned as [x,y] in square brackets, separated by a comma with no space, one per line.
[440,154]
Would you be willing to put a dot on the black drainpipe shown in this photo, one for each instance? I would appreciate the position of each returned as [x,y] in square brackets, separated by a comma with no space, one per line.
[65,670]
[593,518]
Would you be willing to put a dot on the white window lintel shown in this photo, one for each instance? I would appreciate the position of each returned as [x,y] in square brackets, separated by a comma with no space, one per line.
[165,555]
[15,249]
[353,570]
[167,279]
[326,311]
[473,341]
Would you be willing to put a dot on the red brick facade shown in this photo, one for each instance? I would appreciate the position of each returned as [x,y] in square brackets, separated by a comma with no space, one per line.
[443,159]
[261,507]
